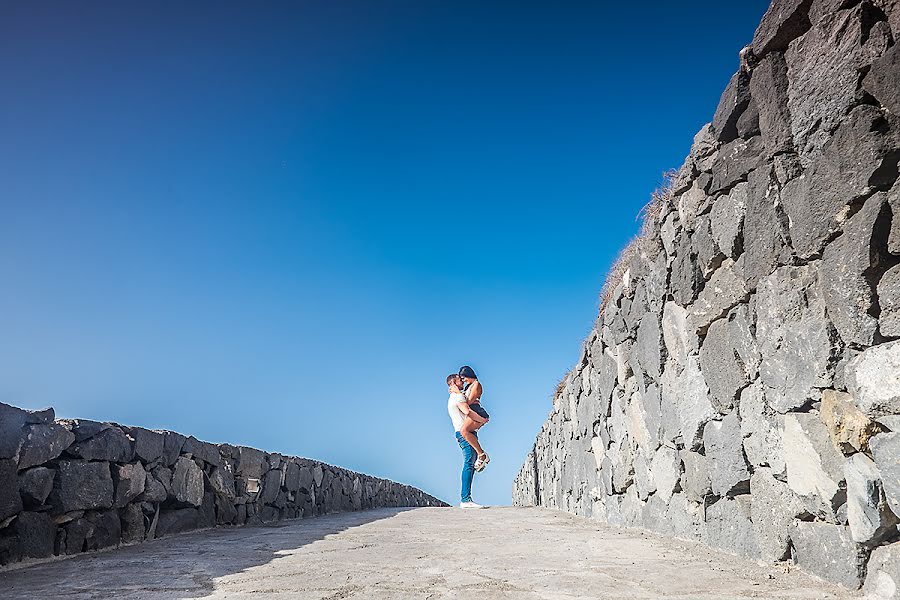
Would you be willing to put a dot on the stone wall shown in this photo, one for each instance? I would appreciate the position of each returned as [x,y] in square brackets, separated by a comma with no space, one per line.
[741,387]
[71,486]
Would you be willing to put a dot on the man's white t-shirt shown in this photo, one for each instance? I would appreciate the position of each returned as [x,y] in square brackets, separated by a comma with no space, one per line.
[456,415]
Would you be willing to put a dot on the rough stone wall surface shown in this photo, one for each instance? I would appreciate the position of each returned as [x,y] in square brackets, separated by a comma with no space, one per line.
[742,385]
[71,486]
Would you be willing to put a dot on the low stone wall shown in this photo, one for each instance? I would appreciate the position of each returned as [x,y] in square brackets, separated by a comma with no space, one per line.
[741,386]
[72,486]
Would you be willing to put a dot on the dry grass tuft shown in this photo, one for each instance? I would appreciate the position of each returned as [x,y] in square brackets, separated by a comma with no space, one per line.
[560,386]
[649,218]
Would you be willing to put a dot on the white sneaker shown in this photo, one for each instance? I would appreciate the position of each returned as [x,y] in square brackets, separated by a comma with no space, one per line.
[469,504]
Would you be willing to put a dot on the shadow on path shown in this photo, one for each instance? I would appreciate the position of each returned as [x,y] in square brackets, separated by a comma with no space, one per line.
[184,566]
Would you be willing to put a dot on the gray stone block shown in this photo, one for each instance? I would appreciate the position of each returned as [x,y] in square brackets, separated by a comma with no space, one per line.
[762,431]
[690,394]
[765,235]
[883,573]
[187,482]
[724,372]
[666,469]
[708,254]
[798,344]
[725,289]
[727,220]
[873,378]
[728,471]
[828,551]
[845,265]
[889,300]
[648,350]
[868,515]
[684,518]
[734,161]
[886,452]
[128,481]
[728,527]
[686,278]
[774,507]
[696,480]
[815,468]
[82,485]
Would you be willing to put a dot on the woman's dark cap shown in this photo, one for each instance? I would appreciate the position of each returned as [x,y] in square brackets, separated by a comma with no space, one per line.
[467,371]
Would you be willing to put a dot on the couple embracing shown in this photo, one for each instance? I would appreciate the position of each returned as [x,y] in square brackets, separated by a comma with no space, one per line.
[468,416]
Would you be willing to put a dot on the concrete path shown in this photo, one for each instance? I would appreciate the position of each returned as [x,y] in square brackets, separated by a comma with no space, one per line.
[426,553]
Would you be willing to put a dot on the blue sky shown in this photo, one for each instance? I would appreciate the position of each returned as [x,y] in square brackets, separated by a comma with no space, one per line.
[282,224]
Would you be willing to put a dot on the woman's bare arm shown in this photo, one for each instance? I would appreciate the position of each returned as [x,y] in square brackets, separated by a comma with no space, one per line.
[473,394]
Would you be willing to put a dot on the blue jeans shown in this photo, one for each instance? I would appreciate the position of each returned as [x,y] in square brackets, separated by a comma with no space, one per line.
[468,470]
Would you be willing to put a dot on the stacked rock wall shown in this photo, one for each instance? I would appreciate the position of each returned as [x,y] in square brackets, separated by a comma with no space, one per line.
[71,486]
[741,387]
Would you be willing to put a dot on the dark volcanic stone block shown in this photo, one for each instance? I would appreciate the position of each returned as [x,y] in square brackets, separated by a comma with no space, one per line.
[132,518]
[846,263]
[110,444]
[732,104]
[36,484]
[883,80]
[785,21]
[148,445]
[769,86]
[12,424]
[129,482]
[107,529]
[172,445]
[10,501]
[37,534]
[82,485]
[177,521]
[42,443]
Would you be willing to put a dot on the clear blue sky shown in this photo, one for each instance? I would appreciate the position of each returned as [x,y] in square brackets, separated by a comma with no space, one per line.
[282,224]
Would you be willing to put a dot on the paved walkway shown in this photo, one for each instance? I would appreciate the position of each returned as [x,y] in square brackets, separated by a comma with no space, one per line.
[427,553]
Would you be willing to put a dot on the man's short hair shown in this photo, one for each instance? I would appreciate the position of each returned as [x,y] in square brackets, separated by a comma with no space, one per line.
[452,378]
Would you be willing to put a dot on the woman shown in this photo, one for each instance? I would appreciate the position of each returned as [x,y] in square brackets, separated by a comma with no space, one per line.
[475,413]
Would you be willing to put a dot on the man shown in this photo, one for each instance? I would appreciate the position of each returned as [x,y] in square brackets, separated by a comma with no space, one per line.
[454,385]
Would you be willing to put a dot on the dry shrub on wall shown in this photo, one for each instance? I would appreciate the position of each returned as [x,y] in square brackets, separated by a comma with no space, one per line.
[649,218]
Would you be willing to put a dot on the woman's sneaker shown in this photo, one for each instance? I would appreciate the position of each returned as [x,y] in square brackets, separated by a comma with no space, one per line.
[482,462]
[469,504]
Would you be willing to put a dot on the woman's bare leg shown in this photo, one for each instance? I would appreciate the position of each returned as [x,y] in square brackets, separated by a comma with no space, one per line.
[468,432]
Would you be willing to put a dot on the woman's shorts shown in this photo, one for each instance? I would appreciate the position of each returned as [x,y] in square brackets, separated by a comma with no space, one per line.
[476,408]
